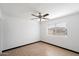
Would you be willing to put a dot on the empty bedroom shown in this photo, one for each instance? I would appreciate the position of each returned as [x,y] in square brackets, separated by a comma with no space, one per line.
[39,29]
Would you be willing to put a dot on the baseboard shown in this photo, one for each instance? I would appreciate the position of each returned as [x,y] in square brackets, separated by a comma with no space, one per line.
[60,47]
[19,46]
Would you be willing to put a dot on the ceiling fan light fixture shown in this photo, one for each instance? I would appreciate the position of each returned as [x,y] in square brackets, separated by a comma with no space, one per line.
[41,17]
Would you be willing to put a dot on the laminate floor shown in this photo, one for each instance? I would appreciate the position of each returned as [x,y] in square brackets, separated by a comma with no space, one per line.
[39,49]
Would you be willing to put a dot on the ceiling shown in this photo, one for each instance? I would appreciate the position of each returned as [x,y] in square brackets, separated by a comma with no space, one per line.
[26,9]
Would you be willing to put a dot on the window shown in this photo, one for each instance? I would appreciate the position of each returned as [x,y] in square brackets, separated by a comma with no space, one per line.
[57,29]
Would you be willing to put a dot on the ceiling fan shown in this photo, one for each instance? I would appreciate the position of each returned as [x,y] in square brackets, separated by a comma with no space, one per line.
[40,16]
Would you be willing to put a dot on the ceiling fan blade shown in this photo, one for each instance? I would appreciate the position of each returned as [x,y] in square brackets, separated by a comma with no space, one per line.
[45,15]
[34,15]
[34,18]
[46,18]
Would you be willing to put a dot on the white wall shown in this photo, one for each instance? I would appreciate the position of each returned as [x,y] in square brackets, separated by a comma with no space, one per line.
[1,34]
[19,32]
[71,41]
[43,30]
[1,31]
[17,28]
